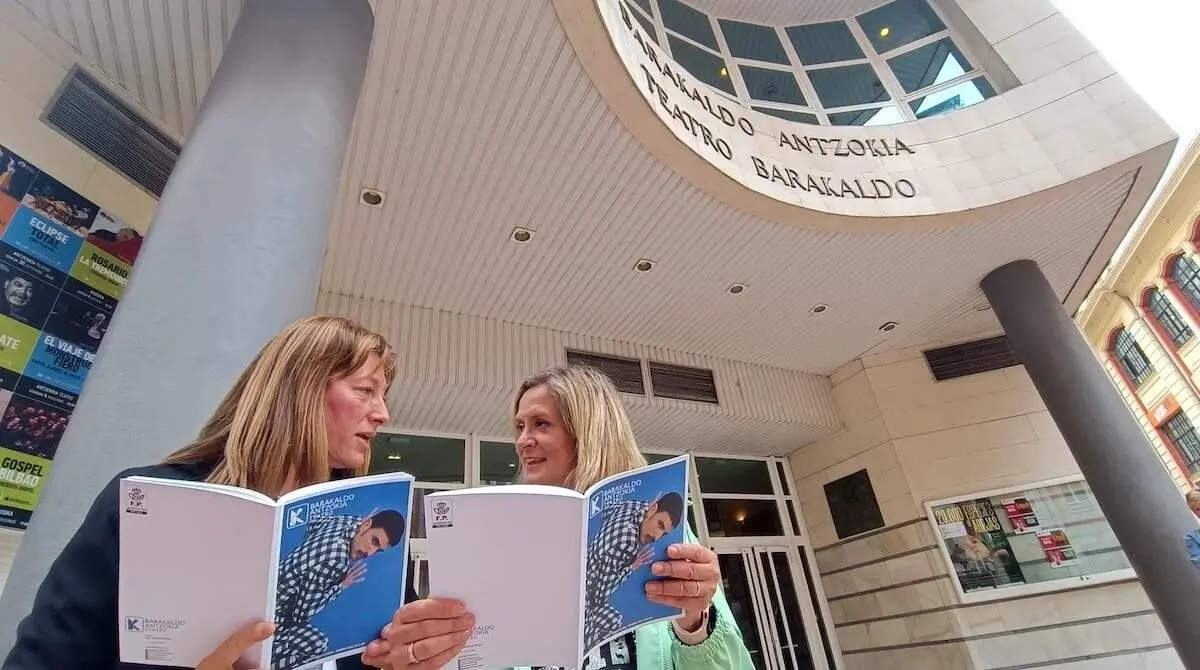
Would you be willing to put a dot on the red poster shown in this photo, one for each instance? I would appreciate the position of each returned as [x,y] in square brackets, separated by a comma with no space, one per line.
[1057,547]
[1021,515]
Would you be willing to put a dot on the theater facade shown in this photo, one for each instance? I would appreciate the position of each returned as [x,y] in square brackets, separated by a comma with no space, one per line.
[830,249]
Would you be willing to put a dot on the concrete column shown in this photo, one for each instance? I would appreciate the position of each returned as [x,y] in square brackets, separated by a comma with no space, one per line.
[1145,509]
[234,255]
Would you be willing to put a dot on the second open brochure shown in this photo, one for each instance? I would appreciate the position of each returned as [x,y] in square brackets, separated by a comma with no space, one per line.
[551,574]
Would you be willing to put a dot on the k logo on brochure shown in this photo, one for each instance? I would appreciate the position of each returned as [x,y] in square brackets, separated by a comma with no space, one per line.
[297,516]
[443,515]
[133,624]
[136,502]
[595,507]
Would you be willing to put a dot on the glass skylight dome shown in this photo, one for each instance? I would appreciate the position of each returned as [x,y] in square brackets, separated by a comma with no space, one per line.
[895,63]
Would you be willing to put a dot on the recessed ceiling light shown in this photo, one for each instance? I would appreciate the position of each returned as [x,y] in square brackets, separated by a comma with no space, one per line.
[889,326]
[371,197]
[819,309]
[885,31]
[521,235]
[643,265]
[737,289]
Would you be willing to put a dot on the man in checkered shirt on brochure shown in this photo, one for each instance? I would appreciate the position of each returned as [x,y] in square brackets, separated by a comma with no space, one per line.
[326,563]
[622,546]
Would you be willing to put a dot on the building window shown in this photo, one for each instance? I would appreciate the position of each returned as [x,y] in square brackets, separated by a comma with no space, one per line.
[738,497]
[1180,432]
[1131,358]
[498,463]
[1168,318]
[1185,274]
[892,64]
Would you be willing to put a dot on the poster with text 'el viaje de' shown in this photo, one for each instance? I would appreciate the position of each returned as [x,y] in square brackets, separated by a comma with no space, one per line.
[64,263]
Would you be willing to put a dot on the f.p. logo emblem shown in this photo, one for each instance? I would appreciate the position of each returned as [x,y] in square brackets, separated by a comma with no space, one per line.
[443,514]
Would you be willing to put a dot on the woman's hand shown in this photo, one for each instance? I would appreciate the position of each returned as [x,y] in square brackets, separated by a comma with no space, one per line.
[688,581]
[225,656]
[423,635]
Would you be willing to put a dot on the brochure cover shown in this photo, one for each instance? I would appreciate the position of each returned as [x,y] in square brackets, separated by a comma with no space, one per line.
[326,563]
[571,568]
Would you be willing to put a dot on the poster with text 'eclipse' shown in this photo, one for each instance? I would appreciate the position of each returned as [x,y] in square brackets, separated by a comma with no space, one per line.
[64,263]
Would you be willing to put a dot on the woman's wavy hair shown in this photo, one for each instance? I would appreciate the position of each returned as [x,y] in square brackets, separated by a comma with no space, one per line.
[594,417]
[269,430]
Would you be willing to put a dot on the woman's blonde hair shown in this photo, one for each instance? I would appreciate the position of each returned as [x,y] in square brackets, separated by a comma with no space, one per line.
[269,430]
[594,417]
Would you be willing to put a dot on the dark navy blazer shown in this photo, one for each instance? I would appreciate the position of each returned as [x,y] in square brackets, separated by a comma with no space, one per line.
[73,624]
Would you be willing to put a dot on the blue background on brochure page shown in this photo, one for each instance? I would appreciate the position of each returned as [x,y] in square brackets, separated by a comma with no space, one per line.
[630,596]
[356,616]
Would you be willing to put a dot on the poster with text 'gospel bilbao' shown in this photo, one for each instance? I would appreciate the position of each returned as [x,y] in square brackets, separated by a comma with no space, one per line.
[64,263]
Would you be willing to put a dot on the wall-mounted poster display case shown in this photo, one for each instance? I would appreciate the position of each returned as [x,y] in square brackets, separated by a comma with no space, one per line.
[1043,537]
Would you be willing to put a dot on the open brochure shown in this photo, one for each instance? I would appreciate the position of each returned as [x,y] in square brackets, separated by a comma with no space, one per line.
[327,563]
[551,574]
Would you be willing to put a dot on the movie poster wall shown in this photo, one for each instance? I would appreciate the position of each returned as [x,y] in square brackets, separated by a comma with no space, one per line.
[64,263]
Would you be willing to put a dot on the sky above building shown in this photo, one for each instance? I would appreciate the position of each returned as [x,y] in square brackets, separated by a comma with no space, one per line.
[1148,43]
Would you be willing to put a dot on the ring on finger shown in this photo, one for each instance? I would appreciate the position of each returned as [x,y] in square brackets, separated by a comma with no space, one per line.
[412,656]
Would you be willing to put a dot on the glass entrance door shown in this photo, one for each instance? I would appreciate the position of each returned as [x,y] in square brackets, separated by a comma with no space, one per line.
[775,620]
[740,584]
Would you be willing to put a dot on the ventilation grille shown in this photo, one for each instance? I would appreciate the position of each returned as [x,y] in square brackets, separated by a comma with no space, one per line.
[680,383]
[112,131]
[625,373]
[970,358]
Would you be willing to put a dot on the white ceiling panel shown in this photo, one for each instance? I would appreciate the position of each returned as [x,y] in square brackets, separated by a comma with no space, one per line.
[163,53]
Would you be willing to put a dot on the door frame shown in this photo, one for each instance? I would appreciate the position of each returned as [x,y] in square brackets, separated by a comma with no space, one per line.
[751,550]
[763,622]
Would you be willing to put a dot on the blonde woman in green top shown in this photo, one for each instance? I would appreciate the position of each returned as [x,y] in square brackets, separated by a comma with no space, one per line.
[572,431]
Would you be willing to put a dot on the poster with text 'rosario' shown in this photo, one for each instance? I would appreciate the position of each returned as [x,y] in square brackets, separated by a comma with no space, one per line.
[64,262]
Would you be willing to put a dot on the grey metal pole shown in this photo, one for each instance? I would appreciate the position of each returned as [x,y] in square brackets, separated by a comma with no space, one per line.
[1145,509]
[234,255]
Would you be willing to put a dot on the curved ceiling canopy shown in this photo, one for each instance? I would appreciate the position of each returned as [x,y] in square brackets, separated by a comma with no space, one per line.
[859,172]
[929,164]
